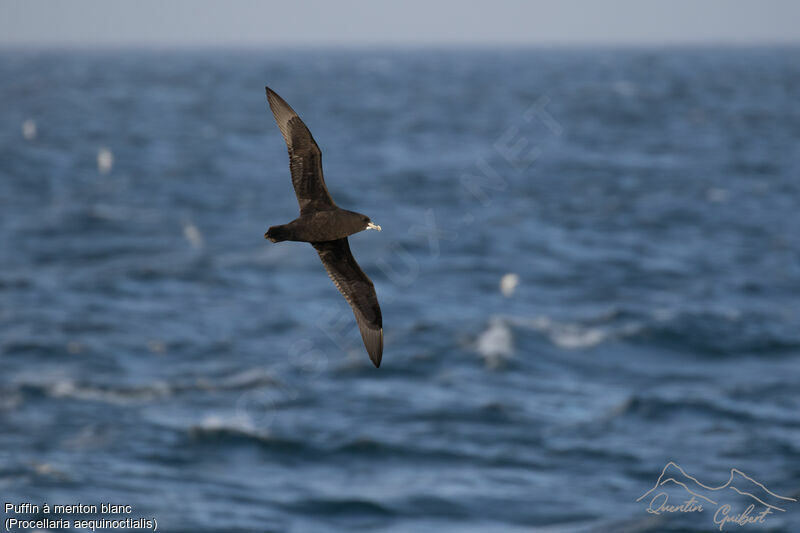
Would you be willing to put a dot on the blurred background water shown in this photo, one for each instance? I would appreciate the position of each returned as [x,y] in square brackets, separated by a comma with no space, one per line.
[157,351]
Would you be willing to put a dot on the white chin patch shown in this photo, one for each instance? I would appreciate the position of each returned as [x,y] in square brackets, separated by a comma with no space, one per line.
[373,226]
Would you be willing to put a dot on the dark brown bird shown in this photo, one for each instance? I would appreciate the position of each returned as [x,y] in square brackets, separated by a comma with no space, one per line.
[326,226]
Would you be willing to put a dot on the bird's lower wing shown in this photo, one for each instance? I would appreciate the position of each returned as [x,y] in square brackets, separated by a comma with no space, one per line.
[305,157]
[357,289]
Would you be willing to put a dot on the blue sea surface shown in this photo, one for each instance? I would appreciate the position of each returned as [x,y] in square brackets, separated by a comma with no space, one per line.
[642,208]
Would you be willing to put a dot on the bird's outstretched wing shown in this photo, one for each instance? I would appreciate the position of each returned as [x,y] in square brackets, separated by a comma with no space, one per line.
[305,157]
[358,290]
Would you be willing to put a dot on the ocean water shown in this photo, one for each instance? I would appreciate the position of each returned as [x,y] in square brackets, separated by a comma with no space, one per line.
[156,351]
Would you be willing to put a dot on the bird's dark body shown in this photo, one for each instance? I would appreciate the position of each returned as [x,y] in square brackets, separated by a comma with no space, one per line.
[319,226]
[326,226]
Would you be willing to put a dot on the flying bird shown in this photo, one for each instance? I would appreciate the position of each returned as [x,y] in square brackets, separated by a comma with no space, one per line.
[326,226]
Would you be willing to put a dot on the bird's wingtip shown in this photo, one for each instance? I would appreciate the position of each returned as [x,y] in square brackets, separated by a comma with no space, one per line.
[376,356]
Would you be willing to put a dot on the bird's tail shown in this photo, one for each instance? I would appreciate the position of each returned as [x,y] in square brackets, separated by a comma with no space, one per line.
[277,233]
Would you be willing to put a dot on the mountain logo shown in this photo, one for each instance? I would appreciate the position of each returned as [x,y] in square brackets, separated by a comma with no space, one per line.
[698,497]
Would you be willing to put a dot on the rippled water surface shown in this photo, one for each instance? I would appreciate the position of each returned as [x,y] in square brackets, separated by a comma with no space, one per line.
[158,352]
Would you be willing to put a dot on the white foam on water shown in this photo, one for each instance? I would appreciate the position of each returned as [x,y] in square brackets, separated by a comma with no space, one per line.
[574,335]
[568,335]
[717,195]
[624,88]
[69,389]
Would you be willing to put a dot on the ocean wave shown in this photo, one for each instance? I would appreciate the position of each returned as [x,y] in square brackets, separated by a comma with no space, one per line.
[561,333]
[67,388]
[658,407]
[722,331]
[70,389]
[338,506]
[216,429]
[577,335]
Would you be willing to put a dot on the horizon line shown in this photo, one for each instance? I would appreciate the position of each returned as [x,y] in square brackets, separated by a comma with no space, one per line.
[384,46]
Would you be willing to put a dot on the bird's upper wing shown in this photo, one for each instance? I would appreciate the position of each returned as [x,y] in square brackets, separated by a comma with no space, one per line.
[305,157]
[357,289]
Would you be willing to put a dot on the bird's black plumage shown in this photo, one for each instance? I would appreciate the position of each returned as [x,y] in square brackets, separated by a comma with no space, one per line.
[357,289]
[305,158]
[326,226]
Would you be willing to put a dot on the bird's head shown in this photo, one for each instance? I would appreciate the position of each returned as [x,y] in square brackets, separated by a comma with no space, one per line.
[359,222]
[369,224]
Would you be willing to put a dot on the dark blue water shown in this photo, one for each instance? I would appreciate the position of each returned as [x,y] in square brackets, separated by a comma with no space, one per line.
[157,352]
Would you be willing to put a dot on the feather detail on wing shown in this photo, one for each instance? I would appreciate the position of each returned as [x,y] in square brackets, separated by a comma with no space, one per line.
[305,157]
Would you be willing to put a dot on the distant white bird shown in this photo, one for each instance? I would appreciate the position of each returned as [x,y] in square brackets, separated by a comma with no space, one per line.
[105,160]
[193,235]
[496,343]
[29,129]
[508,284]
